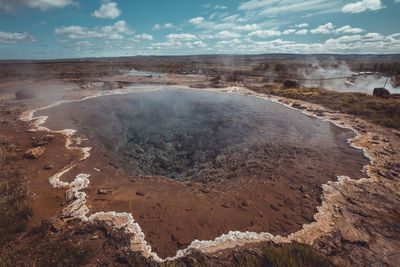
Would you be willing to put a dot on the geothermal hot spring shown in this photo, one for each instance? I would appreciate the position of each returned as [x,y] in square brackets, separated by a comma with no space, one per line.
[219,162]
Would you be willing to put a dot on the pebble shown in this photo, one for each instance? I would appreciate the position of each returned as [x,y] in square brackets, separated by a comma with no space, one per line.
[140,193]
[49,166]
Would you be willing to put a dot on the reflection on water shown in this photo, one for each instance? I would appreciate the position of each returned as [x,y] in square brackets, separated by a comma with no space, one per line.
[201,135]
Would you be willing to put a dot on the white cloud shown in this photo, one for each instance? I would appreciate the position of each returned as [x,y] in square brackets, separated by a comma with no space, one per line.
[196,43]
[108,10]
[220,7]
[349,29]
[265,33]
[229,42]
[227,34]
[323,29]
[140,37]
[196,20]
[301,25]
[82,45]
[247,27]
[302,32]
[275,8]
[166,45]
[168,26]
[362,6]
[157,27]
[231,18]
[115,31]
[10,5]
[288,31]
[373,36]
[15,38]
[181,37]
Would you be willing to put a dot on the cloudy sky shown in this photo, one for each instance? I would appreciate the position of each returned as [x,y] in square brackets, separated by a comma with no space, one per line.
[43,29]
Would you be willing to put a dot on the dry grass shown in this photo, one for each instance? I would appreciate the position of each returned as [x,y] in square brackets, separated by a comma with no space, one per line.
[385,112]
[14,208]
[296,254]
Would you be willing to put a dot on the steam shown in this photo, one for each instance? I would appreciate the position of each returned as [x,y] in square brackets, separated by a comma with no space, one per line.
[337,76]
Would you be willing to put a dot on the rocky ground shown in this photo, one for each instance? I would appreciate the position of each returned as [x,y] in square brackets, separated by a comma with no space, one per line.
[357,222]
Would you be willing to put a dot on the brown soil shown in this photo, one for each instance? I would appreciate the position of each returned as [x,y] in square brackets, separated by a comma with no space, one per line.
[46,201]
[278,199]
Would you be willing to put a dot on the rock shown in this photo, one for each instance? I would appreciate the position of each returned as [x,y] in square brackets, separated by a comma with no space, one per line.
[298,106]
[103,191]
[291,84]
[38,143]
[375,137]
[34,153]
[352,235]
[274,207]
[246,203]
[49,166]
[306,196]
[31,131]
[48,137]
[140,193]
[67,219]
[43,140]
[94,237]
[381,92]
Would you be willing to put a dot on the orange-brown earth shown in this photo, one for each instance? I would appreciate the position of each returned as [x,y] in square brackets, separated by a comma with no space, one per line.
[161,204]
[278,198]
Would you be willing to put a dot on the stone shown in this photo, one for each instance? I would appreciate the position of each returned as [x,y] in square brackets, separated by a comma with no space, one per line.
[140,193]
[298,106]
[352,235]
[381,92]
[274,207]
[34,153]
[31,131]
[38,143]
[291,84]
[49,166]
[48,137]
[43,140]
[103,191]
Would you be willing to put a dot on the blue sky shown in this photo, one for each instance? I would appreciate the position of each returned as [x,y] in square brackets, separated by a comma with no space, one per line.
[47,29]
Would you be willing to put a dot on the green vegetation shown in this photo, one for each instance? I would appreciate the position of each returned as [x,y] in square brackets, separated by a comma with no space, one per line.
[385,112]
[296,254]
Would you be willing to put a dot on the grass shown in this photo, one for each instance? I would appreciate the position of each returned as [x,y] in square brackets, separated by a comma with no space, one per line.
[18,244]
[385,112]
[42,250]
[295,254]
[14,209]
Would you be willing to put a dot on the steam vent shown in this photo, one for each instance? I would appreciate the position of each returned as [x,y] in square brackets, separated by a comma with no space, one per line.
[188,160]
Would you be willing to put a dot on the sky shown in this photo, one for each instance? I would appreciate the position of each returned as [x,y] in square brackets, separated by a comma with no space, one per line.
[52,29]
